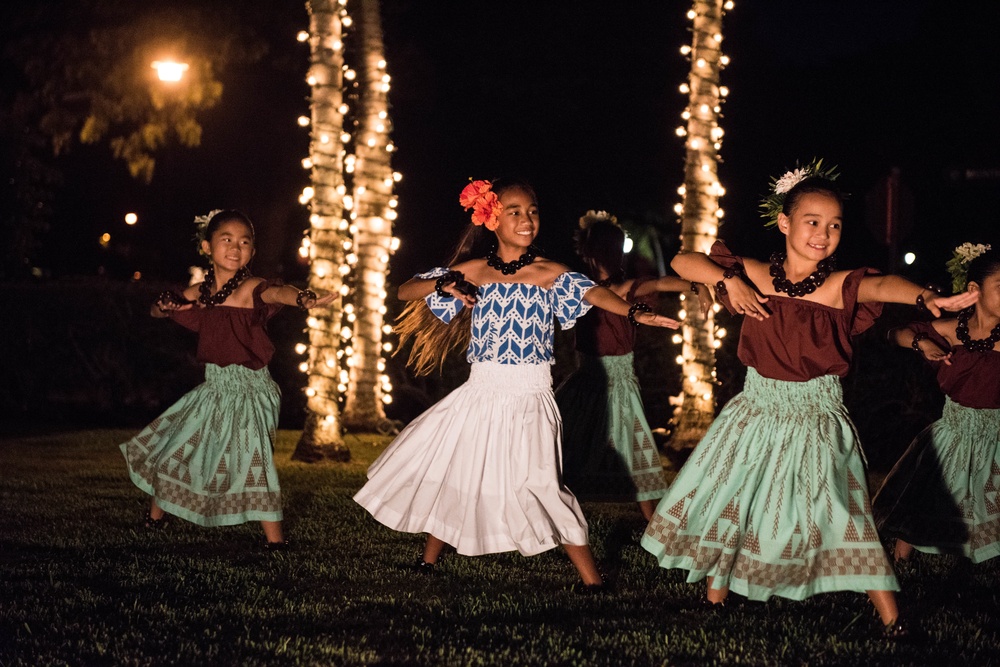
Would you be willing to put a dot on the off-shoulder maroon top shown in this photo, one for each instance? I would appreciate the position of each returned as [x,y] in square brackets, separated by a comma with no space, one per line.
[603,334]
[972,379]
[228,335]
[801,340]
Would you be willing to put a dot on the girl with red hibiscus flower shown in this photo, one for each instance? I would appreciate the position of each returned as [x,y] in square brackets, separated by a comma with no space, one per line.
[481,469]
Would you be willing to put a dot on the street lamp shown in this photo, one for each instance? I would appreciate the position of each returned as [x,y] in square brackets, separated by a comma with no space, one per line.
[169,70]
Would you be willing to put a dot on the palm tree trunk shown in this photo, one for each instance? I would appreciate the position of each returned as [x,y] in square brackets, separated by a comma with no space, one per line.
[368,386]
[700,216]
[321,436]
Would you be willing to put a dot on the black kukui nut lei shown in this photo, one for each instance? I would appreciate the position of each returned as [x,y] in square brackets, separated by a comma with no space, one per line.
[979,344]
[807,285]
[510,268]
[170,296]
[636,307]
[208,299]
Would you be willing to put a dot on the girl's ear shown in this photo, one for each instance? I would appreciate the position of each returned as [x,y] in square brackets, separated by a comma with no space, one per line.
[783,223]
[972,287]
[206,248]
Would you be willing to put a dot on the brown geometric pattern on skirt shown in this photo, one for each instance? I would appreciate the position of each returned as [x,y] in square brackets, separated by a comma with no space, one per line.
[859,524]
[212,506]
[992,506]
[838,562]
[984,535]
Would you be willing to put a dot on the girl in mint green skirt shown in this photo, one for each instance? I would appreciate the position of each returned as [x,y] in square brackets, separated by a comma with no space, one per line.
[209,458]
[608,449]
[773,500]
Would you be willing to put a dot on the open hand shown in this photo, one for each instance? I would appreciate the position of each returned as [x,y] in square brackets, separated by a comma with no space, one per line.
[953,303]
[745,300]
[932,352]
[705,299]
[654,320]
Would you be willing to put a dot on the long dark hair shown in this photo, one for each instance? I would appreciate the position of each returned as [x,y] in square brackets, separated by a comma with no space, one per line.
[433,340]
[983,266]
[601,245]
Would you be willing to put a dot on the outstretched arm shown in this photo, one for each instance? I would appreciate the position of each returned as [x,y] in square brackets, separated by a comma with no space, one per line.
[672,284]
[907,337]
[896,289]
[607,300]
[699,267]
[290,295]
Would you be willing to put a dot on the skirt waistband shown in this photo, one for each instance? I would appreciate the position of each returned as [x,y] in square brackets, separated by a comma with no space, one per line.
[823,392]
[511,378]
[236,376]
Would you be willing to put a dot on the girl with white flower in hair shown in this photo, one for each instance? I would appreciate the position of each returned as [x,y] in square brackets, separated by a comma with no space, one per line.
[608,449]
[773,500]
[480,470]
[209,458]
[940,497]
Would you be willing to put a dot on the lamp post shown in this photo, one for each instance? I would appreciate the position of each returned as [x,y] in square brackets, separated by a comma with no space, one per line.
[169,70]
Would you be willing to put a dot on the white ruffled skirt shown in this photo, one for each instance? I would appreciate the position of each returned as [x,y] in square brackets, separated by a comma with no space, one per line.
[481,469]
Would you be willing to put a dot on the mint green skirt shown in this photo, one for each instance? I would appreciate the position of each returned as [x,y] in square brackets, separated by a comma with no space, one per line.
[608,449]
[210,457]
[942,494]
[773,500]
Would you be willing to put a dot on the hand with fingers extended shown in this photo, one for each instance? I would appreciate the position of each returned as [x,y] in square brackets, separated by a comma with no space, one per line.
[745,300]
[952,303]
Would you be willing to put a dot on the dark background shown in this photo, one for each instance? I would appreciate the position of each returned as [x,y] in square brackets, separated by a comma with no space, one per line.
[581,98]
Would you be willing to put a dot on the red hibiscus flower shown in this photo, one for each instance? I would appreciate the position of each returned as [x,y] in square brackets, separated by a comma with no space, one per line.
[472,192]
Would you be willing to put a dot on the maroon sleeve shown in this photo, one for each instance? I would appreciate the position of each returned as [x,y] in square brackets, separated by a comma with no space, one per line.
[262,312]
[927,328]
[863,315]
[189,319]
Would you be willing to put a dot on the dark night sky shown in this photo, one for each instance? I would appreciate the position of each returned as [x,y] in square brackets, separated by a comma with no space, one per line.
[581,98]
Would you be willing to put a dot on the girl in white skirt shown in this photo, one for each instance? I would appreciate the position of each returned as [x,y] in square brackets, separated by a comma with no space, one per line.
[941,497]
[608,449]
[480,470]
[209,458]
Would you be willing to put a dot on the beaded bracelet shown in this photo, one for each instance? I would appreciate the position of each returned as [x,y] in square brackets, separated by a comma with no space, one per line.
[731,272]
[636,307]
[170,296]
[447,278]
[302,296]
[916,341]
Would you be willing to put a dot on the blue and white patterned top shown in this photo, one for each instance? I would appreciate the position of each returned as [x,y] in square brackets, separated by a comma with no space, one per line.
[512,323]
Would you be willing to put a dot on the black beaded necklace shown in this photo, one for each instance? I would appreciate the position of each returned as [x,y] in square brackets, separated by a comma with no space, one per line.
[207,299]
[808,284]
[979,345]
[510,268]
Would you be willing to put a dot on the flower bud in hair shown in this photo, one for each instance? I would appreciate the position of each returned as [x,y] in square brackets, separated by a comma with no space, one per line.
[592,216]
[958,265]
[485,205]
[201,228]
[773,203]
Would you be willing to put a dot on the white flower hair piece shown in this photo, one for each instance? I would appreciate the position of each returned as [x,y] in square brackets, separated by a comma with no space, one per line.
[774,201]
[201,226]
[958,265]
[592,216]
[790,179]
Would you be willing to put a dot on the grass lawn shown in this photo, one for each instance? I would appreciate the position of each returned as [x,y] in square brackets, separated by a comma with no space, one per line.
[84,584]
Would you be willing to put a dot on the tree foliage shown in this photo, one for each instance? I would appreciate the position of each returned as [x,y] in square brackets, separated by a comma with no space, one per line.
[82,72]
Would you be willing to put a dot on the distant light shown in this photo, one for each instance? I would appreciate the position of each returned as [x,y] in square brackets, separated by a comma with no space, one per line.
[168,70]
[137,275]
[131,218]
[627,246]
[302,36]
[909,258]
[105,240]
[303,121]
